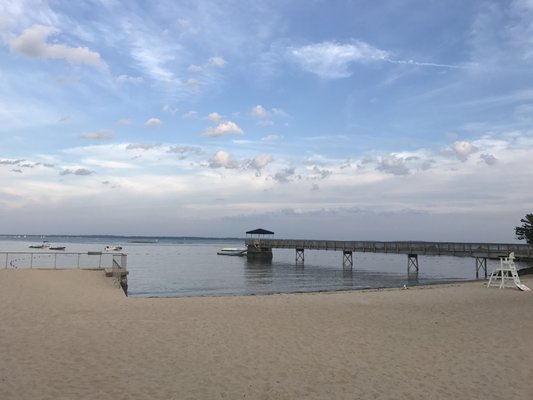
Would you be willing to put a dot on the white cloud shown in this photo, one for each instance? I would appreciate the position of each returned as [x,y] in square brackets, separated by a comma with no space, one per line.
[102,134]
[393,165]
[286,175]
[223,129]
[270,138]
[184,150]
[261,161]
[170,110]
[130,79]
[141,146]
[265,117]
[449,186]
[195,68]
[259,112]
[215,117]
[463,149]
[193,84]
[187,26]
[222,159]
[154,122]
[77,171]
[32,43]
[217,62]
[332,59]
[151,54]
[190,114]
[489,159]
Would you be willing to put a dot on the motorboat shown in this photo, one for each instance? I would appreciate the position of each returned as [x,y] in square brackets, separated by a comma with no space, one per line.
[43,245]
[112,248]
[232,251]
[57,247]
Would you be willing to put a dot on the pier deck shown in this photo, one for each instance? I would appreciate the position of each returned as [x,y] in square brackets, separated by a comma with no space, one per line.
[479,250]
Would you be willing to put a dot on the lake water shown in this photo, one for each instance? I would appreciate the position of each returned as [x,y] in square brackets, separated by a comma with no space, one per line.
[176,267]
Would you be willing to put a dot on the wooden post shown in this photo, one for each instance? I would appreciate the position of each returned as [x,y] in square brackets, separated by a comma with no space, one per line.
[347,259]
[481,263]
[412,261]
[300,255]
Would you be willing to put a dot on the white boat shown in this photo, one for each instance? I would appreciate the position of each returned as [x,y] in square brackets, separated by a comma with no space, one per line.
[232,251]
[57,247]
[112,248]
[43,245]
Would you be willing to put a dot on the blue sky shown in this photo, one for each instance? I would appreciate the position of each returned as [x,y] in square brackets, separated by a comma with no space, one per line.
[353,119]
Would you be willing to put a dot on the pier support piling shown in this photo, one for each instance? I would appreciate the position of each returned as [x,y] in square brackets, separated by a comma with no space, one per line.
[299,255]
[481,263]
[257,251]
[347,259]
[412,261]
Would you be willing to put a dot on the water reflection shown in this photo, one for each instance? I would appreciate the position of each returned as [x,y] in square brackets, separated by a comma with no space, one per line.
[347,276]
[258,273]
[412,278]
[193,268]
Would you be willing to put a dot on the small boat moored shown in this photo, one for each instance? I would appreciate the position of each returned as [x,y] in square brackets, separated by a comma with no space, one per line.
[232,251]
[57,247]
[43,245]
[113,248]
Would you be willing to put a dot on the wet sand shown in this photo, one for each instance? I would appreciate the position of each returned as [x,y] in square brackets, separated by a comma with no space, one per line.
[74,335]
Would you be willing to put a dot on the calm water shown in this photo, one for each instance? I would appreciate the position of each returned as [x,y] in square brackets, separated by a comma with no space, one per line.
[175,267]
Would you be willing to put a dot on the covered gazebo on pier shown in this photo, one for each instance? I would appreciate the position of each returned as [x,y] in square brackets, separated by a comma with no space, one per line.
[260,233]
[255,247]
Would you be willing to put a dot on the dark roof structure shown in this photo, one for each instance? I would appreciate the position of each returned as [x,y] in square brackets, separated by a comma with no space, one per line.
[260,231]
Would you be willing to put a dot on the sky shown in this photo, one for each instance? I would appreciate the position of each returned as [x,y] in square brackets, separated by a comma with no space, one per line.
[345,119]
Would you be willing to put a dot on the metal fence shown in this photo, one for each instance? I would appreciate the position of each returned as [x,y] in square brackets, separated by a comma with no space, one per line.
[119,270]
[62,260]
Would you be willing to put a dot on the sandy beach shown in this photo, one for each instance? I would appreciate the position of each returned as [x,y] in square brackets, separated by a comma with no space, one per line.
[74,335]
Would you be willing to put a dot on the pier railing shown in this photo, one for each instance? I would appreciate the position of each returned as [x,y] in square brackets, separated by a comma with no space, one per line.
[487,250]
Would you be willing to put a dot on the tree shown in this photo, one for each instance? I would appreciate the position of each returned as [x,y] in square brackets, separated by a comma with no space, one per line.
[526,230]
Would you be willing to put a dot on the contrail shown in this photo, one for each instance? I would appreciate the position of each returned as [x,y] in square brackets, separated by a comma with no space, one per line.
[424,64]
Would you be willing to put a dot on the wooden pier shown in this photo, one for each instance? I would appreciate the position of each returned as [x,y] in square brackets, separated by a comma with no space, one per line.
[480,251]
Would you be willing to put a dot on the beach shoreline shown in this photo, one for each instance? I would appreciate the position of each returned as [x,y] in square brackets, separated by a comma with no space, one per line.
[72,334]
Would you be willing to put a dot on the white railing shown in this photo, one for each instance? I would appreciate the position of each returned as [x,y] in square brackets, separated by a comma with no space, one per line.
[62,260]
[119,269]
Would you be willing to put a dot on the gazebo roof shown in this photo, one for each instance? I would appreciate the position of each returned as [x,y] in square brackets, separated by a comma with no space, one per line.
[260,231]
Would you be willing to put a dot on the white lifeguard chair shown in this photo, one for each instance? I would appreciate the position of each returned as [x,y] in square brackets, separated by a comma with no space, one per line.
[506,275]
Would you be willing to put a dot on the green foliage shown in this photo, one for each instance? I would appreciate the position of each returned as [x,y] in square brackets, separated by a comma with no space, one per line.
[525,231]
